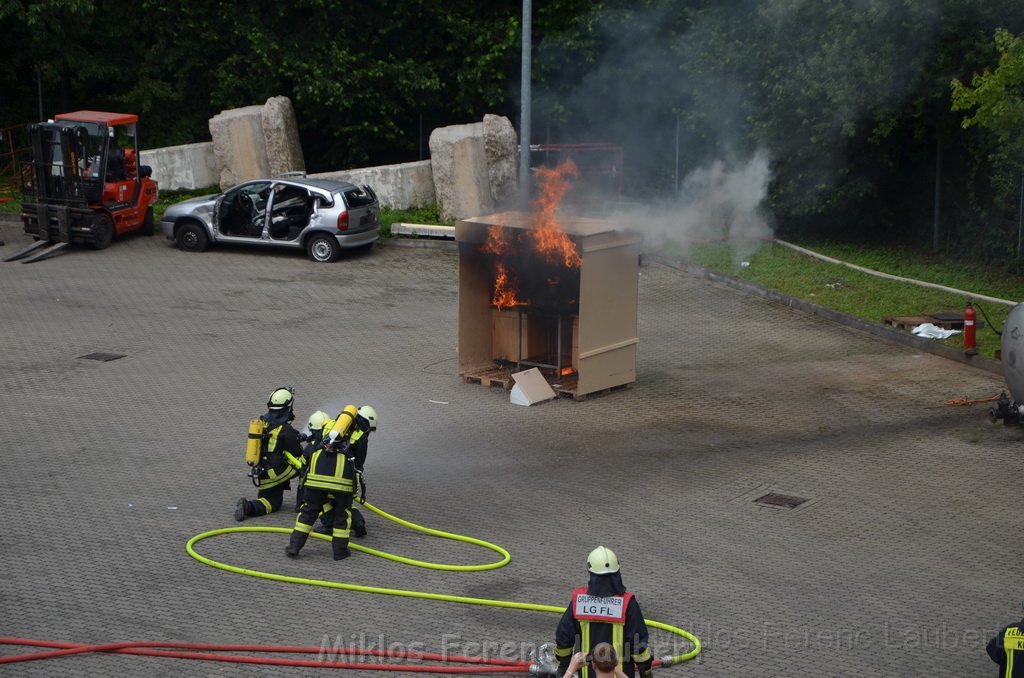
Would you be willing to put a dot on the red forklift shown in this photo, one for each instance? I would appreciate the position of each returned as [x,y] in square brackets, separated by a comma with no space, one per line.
[84,184]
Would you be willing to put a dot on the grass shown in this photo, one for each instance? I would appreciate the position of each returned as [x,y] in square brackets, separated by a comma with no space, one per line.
[866,296]
[422,215]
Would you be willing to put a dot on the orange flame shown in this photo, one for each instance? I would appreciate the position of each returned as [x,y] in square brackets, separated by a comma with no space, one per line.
[549,238]
[566,371]
[505,290]
[497,240]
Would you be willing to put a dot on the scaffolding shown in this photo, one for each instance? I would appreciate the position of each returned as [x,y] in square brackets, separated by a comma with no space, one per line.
[13,146]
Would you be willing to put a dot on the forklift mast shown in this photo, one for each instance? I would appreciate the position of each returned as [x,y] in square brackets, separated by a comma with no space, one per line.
[63,155]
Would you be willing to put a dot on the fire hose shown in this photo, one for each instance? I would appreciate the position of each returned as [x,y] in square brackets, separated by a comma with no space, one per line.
[542,663]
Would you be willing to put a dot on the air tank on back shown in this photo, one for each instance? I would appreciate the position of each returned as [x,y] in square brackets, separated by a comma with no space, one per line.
[1011,408]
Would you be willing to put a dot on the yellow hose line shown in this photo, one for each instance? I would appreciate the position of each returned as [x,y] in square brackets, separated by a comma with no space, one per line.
[190,548]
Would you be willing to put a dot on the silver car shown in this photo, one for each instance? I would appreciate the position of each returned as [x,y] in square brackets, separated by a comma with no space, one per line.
[319,216]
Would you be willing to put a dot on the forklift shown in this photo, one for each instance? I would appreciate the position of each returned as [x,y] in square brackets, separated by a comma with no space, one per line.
[84,184]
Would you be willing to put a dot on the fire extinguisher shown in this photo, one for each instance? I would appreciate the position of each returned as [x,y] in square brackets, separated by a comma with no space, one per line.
[970,337]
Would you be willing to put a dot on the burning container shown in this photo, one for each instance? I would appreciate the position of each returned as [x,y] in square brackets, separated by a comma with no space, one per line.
[556,294]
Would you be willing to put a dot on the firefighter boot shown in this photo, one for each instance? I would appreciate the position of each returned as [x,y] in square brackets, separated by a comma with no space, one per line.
[340,547]
[242,509]
[296,543]
[358,523]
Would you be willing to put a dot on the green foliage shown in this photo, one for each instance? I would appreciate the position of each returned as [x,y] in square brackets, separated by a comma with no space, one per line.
[997,96]
[428,214]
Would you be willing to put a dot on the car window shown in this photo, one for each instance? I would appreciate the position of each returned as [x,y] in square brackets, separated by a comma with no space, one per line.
[357,197]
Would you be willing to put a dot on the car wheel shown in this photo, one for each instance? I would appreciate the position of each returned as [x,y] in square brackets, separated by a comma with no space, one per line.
[103,230]
[148,226]
[323,248]
[192,237]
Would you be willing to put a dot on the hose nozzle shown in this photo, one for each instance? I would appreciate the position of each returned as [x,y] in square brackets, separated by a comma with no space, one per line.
[543,661]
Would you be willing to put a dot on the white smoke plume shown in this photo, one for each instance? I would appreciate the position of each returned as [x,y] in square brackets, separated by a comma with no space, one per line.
[719,202]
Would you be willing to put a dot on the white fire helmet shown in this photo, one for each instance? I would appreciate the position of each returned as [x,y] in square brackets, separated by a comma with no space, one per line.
[280,399]
[370,415]
[602,560]
[316,420]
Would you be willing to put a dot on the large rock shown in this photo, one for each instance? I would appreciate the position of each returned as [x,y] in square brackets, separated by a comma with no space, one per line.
[501,146]
[474,167]
[239,145]
[256,141]
[459,164]
[182,168]
[281,133]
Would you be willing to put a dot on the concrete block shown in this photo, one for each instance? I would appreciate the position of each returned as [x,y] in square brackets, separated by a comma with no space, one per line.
[459,163]
[423,230]
[281,134]
[239,145]
[404,186]
[501,146]
[183,168]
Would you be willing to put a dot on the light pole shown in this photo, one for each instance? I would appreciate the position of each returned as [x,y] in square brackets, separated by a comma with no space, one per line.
[524,113]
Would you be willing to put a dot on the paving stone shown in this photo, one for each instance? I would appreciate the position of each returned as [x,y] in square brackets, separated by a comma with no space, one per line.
[898,564]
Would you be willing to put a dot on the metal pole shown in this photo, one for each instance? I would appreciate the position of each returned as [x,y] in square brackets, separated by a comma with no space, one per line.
[938,191]
[39,88]
[524,114]
[1020,215]
[677,154]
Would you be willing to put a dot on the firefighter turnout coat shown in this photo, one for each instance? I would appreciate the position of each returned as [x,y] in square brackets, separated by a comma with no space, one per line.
[614,619]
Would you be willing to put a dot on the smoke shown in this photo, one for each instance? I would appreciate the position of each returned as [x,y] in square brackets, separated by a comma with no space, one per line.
[723,108]
[721,202]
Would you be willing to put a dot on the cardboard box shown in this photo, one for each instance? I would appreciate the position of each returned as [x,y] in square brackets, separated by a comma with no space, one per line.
[603,323]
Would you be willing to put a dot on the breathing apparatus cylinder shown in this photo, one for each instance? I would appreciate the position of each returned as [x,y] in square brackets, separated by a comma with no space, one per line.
[255,442]
[343,423]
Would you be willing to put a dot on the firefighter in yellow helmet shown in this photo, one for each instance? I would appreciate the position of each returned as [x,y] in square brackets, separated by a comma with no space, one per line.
[280,457]
[604,612]
[331,481]
[318,422]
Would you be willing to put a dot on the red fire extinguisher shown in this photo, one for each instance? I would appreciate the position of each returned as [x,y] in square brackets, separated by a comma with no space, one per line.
[970,337]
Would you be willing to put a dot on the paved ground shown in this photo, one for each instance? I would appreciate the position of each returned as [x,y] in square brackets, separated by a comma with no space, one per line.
[903,561]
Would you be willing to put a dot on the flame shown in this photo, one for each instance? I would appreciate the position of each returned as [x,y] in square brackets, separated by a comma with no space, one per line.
[549,238]
[505,290]
[566,371]
[497,240]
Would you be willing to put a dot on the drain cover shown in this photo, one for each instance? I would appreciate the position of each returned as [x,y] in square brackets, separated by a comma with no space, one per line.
[783,500]
[103,357]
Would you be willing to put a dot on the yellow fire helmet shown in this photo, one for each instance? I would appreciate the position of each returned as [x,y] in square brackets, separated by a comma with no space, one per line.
[602,560]
[370,415]
[316,420]
[280,399]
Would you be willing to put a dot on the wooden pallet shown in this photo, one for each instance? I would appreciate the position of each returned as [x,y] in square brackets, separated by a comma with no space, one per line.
[493,376]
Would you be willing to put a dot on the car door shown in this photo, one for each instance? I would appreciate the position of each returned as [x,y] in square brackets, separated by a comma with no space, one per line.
[241,213]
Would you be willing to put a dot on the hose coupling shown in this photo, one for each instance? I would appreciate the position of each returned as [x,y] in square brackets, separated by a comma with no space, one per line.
[665,662]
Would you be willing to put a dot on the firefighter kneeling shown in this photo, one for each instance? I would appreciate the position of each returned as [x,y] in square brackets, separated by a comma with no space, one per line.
[330,481]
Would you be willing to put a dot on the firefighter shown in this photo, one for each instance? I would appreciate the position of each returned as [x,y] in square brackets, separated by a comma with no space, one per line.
[329,483]
[317,421]
[1003,649]
[280,457]
[604,612]
[358,439]
[358,447]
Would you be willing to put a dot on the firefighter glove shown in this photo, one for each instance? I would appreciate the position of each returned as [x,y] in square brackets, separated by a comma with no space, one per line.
[362,489]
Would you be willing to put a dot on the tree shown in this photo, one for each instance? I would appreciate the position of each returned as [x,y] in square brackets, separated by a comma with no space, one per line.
[995,102]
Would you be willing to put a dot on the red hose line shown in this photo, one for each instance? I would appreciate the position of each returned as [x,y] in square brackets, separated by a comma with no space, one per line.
[147,648]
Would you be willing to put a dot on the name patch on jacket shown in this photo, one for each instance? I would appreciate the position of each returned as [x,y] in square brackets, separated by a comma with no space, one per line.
[593,608]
